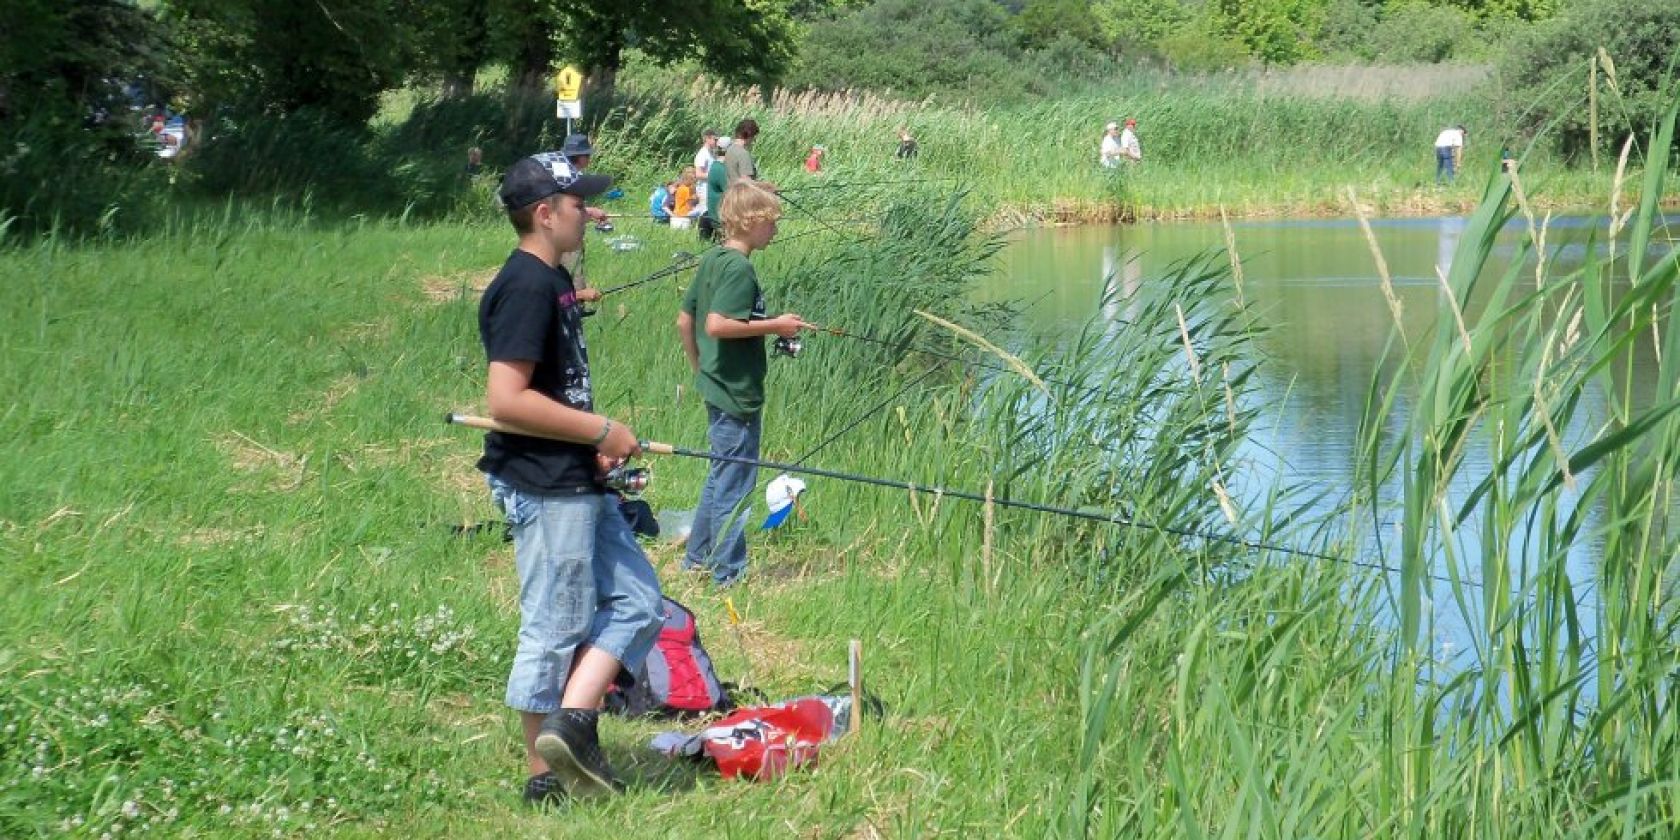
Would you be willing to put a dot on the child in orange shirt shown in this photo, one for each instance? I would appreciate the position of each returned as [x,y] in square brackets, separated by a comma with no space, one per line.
[686,205]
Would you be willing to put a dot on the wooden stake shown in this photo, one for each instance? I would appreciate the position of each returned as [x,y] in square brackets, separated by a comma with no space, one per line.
[1592,108]
[854,674]
[986,540]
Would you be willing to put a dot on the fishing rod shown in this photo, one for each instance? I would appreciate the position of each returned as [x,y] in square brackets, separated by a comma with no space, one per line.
[800,206]
[683,261]
[848,184]
[680,261]
[490,425]
[951,357]
[884,403]
[866,415]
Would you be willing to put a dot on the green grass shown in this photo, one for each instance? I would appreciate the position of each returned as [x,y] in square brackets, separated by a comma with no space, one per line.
[232,603]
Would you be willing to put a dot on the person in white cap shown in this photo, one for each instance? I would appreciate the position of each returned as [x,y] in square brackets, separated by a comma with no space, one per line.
[1110,156]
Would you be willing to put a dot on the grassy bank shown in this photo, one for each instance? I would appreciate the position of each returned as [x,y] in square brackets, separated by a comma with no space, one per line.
[233,603]
[1254,144]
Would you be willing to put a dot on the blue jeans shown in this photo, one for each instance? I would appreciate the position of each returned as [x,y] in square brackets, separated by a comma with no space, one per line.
[1444,163]
[718,541]
[583,580]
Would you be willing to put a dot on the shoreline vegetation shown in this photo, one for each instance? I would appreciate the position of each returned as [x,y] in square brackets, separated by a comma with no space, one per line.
[238,599]
[1250,144]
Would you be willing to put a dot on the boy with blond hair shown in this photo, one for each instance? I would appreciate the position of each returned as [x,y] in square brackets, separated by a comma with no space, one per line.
[722,327]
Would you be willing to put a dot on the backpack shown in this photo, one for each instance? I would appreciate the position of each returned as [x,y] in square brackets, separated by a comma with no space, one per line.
[677,678]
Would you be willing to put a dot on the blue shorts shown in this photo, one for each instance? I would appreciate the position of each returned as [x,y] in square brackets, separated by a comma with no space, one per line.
[583,580]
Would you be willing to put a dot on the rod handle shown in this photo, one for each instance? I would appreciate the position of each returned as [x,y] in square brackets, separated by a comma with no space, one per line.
[473,421]
[488,424]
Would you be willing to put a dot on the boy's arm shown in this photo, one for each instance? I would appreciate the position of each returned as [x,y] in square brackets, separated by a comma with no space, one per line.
[685,331]
[511,400]
[723,326]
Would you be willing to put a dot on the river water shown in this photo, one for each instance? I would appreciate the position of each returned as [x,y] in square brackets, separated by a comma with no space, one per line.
[1314,287]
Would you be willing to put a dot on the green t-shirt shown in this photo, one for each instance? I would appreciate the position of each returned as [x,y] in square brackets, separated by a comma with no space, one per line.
[717,181]
[731,376]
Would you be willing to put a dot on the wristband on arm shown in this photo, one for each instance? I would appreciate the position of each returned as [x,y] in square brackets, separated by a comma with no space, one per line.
[606,429]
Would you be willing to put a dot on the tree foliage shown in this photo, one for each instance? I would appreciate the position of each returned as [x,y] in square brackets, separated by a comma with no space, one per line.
[741,41]
[916,48]
[263,57]
[1550,70]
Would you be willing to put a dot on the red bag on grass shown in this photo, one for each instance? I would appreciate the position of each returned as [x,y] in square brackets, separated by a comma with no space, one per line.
[764,742]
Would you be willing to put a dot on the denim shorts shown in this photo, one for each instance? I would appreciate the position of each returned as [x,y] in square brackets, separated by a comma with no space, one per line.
[583,580]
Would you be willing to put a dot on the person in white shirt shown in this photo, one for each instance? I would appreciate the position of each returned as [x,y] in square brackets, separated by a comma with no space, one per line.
[1449,152]
[1110,155]
[1129,148]
[703,163]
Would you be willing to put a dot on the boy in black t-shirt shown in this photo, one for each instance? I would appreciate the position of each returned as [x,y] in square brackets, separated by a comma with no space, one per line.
[589,601]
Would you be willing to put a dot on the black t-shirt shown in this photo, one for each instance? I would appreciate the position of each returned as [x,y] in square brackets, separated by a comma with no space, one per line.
[530,313]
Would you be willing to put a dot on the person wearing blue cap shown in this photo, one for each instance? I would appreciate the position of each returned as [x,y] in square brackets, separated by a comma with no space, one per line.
[589,601]
[578,151]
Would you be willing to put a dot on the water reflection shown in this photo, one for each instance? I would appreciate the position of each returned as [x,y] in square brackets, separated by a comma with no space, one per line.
[1314,288]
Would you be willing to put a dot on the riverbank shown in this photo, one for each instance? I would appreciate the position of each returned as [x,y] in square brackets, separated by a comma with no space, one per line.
[1250,147]
[235,600]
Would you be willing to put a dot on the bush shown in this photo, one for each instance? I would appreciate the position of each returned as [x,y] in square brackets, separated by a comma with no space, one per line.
[1549,69]
[914,48]
[76,180]
[1419,32]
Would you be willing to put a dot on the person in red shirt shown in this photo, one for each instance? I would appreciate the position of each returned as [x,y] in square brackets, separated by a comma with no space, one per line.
[813,163]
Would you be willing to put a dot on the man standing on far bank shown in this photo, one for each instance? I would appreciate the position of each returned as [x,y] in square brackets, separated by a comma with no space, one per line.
[1109,156]
[1449,151]
[1129,148]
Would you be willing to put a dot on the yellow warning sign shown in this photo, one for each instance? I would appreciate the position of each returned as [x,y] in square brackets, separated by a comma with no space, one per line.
[568,83]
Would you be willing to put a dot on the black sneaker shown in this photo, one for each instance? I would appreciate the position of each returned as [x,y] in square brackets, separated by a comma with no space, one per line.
[544,790]
[569,743]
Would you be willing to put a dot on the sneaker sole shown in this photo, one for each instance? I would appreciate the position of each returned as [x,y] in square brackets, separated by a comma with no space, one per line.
[578,779]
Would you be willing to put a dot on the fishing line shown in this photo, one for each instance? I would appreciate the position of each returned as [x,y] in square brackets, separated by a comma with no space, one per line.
[814,217]
[656,448]
[884,403]
[683,261]
[849,184]
[866,415]
[950,357]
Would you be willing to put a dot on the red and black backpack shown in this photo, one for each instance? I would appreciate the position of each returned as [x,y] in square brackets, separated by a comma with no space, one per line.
[677,678]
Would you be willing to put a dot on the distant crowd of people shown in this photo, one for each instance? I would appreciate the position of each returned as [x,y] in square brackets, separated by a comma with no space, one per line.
[693,198]
[1120,146]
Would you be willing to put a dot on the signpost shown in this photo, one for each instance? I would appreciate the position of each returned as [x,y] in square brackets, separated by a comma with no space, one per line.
[568,95]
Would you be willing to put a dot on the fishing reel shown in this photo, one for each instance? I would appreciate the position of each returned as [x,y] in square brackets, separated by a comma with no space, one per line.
[789,347]
[604,226]
[630,481]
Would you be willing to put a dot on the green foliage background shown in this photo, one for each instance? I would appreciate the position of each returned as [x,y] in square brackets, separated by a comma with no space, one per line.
[291,100]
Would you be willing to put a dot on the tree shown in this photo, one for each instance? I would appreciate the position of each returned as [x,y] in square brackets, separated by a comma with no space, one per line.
[1275,31]
[1549,70]
[451,41]
[67,145]
[742,41]
[70,59]
[332,57]
[917,47]
[1043,22]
